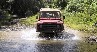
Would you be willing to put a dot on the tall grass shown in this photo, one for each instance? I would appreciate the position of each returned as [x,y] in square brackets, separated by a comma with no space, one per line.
[29,21]
[81,21]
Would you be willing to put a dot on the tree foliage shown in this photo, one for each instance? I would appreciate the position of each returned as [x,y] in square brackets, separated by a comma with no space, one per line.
[62,3]
[82,13]
[21,7]
[18,9]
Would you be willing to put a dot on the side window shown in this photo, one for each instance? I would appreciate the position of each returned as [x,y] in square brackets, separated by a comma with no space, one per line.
[41,14]
[59,14]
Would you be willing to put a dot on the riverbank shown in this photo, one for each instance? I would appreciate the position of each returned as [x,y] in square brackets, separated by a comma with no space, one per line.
[29,21]
[84,44]
[18,24]
[81,22]
[87,47]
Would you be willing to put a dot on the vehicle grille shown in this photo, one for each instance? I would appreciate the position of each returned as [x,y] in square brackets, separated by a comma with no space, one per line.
[49,26]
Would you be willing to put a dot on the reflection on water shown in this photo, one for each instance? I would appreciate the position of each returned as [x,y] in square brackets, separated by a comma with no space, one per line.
[23,46]
[57,47]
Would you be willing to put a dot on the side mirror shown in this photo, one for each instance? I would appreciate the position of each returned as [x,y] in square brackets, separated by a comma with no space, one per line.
[36,17]
[63,17]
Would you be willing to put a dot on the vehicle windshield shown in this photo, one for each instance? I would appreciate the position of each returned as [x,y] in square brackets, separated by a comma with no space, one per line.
[49,14]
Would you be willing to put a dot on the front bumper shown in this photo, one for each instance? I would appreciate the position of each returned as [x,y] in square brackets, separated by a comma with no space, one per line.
[49,28]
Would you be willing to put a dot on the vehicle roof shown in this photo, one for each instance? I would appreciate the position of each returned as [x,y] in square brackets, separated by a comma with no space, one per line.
[48,9]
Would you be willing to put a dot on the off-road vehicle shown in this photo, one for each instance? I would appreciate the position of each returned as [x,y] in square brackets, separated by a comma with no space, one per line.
[50,21]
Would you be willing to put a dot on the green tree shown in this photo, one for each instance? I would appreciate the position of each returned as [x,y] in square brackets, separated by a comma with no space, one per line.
[61,3]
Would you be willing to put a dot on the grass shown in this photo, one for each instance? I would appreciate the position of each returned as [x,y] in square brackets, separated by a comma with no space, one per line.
[29,21]
[80,27]
[80,21]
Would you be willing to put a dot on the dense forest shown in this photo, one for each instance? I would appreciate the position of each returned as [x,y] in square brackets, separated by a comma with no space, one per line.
[80,14]
[11,9]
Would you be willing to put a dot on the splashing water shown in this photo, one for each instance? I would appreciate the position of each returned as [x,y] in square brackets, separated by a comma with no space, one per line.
[30,34]
[75,38]
[75,32]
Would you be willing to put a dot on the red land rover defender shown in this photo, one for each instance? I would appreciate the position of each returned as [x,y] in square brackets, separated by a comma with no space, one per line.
[50,21]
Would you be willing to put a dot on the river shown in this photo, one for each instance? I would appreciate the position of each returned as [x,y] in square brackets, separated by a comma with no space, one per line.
[28,40]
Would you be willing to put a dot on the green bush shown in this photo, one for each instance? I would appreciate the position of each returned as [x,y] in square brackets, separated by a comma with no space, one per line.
[81,14]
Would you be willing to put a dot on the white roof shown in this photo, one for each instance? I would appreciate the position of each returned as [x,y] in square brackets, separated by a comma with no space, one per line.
[48,9]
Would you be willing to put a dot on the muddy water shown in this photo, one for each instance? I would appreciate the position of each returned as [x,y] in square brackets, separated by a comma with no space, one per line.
[28,40]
